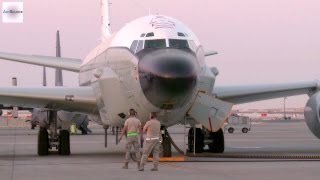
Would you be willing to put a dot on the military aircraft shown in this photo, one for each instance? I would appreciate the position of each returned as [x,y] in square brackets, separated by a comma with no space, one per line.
[153,64]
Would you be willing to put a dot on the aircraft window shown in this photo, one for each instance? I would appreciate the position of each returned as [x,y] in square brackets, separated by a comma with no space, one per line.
[178,43]
[142,35]
[155,43]
[192,45]
[150,34]
[140,46]
[186,34]
[181,34]
[134,46]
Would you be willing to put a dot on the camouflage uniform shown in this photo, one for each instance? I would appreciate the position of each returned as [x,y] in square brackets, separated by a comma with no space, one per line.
[152,127]
[132,141]
[151,146]
[133,127]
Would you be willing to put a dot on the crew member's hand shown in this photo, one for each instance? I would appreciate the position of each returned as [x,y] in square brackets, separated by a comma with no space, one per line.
[119,138]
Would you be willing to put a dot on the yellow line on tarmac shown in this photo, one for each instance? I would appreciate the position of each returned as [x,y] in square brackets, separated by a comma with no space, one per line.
[170,159]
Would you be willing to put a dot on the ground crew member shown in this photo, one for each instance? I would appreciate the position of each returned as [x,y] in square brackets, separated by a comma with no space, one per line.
[153,139]
[133,128]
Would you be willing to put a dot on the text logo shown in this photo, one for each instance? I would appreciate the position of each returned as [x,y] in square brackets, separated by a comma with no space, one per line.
[12,12]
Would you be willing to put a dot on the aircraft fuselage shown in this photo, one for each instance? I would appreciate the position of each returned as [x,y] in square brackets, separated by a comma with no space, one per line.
[154,63]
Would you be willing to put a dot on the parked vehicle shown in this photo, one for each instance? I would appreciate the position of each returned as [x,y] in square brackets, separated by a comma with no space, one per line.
[239,123]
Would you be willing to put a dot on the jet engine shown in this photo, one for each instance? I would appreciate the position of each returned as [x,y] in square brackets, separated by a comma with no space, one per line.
[312,114]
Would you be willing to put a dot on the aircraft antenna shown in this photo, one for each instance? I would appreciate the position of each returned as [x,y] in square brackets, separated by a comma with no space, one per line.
[105,19]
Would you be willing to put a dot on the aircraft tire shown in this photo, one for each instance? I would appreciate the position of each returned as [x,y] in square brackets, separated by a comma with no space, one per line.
[199,144]
[43,142]
[64,142]
[166,146]
[217,146]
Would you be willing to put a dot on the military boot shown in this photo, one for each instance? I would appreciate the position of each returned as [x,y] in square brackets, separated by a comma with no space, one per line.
[155,167]
[141,167]
[138,164]
[125,165]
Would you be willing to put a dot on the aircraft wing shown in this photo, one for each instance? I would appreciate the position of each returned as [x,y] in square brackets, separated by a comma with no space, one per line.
[251,93]
[48,61]
[77,99]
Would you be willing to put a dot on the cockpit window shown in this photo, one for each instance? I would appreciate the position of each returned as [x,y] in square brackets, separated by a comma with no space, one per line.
[133,46]
[192,45]
[140,46]
[181,34]
[155,43]
[151,34]
[178,43]
[136,46]
[142,35]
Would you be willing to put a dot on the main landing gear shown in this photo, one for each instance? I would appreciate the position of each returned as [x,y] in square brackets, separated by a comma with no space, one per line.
[201,137]
[49,138]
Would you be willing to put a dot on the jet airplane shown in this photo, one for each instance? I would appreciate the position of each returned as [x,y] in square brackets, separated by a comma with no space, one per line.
[153,64]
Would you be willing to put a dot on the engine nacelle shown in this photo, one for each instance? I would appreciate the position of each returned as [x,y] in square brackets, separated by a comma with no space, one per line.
[312,114]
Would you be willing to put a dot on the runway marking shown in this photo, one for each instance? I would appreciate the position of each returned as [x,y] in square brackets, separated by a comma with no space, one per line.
[245,147]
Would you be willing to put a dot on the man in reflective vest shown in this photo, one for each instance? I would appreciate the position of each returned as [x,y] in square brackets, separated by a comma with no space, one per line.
[153,139]
[133,128]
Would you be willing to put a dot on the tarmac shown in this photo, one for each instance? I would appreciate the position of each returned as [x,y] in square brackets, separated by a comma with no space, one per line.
[91,160]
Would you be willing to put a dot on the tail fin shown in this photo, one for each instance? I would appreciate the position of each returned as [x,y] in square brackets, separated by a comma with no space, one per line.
[105,20]
[58,75]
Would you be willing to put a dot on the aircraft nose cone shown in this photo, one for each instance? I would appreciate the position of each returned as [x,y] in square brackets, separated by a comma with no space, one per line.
[168,77]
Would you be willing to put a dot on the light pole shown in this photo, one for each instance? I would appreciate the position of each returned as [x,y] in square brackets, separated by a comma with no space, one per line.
[284,108]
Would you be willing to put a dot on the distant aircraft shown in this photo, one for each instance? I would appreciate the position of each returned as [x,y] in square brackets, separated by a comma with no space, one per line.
[153,64]
[40,115]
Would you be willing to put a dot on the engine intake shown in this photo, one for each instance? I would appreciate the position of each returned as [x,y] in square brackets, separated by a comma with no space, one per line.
[312,114]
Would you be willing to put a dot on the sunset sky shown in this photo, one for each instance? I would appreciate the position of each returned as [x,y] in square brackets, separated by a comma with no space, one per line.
[259,41]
